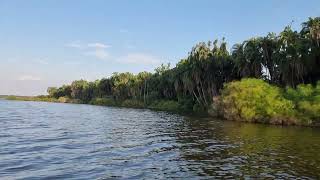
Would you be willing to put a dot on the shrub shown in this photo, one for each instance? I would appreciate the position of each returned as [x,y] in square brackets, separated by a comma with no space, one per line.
[309,111]
[185,103]
[32,98]
[103,102]
[63,100]
[215,109]
[165,105]
[307,102]
[132,103]
[11,98]
[254,100]
[199,110]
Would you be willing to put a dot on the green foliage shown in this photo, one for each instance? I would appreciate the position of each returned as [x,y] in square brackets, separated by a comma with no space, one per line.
[11,98]
[132,103]
[216,108]
[103,102]
[82,90]
[162,69]
[186,103]
[254,100]
[203,73]
[198,109]
[64,100]
[165,105]
[309,111]
[52,91]
[64,91]
[307,102]
[32,98]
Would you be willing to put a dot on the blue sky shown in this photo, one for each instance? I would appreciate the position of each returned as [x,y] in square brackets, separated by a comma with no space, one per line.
[49,43]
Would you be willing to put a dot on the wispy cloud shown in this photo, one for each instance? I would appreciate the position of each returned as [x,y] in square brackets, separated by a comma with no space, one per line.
[98,50]
[29,78]
[98,45]
[81,45]
[98,53]
[139,58]
[74,44]
[95,49]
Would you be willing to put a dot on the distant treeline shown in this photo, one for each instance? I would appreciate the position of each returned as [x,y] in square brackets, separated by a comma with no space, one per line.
[282,61]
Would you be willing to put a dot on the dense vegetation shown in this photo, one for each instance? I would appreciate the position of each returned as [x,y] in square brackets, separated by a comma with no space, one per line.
[254,100]
[281,62]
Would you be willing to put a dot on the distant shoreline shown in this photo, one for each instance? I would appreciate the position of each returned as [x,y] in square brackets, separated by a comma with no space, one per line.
[53,100]
[124,104]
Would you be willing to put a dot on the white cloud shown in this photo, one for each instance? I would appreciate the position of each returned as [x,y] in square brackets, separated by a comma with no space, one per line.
[79,45]
[98,45]
[75,44]
[29,78]
[139,58]
[96,49]
[98,53]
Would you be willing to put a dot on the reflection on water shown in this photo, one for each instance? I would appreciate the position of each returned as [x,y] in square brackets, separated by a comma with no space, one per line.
[47,140]
[221,149]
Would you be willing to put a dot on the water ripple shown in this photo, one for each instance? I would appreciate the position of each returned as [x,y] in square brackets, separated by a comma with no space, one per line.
[65,141]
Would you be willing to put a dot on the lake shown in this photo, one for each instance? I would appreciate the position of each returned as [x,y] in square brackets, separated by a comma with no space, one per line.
[42,140]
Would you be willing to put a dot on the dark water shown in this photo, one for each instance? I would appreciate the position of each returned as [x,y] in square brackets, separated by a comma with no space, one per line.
[46,140]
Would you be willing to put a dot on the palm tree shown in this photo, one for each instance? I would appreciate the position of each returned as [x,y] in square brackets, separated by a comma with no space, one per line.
[311,32]
[311,28]
[270,55]
[292,65]
[248,58]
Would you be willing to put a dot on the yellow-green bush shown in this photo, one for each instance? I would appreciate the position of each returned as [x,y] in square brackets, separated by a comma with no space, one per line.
[11,98]
[64,99]
[307,102]
[254,100]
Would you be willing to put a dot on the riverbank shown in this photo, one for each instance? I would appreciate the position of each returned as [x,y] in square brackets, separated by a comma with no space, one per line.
[162,105]
[248,100]
[169,106]
[39,98]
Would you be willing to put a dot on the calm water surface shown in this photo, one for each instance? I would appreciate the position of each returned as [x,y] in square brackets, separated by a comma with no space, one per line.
[41,140]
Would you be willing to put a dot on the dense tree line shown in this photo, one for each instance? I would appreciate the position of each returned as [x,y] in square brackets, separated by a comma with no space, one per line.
[284,60]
